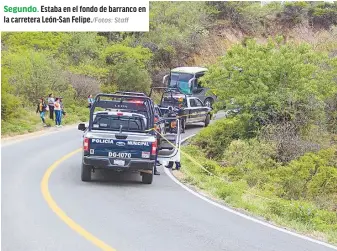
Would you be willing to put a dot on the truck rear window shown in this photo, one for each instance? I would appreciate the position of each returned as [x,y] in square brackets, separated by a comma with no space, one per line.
[114,122]
[169,100]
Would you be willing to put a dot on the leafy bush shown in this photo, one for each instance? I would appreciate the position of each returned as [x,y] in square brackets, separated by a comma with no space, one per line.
[128,76]
[250,154]
[216,137]
[294,14]
[323,15]
[291,143]
[303,178]
[33,74]
[303,214]
[274,83]
[9,102]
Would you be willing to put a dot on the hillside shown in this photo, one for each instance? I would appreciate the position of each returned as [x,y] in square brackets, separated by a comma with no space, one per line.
[74,65]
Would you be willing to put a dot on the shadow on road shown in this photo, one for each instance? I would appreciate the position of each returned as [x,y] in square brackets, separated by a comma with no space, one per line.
[112,178]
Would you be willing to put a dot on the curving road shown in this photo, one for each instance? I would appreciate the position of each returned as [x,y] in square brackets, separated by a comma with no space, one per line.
[123,213]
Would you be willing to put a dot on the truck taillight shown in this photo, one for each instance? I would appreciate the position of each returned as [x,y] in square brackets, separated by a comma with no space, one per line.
[86,144]
[154,148]
[135,101]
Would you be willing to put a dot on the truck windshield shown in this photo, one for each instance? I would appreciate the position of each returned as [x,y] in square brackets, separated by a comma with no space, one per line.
[108,122]
[180,80]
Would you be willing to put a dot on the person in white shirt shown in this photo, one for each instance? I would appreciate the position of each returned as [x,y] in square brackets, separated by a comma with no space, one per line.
[51,102]
[58,112]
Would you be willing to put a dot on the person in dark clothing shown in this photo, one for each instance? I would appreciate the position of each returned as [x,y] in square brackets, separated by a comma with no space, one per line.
[51,102]
[41,108]
[156,172]
[170,165]
[63,113]
[181,117]
[173,113]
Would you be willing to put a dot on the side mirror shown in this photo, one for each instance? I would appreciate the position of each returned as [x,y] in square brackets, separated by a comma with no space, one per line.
[165,79]
[191,84]
[81,127]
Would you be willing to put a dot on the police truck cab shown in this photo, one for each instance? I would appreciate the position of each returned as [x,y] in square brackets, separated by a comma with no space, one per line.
[123,141]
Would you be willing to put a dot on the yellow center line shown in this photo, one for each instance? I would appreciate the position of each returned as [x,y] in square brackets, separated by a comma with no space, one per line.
[60,213]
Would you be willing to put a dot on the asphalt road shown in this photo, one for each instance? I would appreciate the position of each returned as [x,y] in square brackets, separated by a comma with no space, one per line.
[121,211]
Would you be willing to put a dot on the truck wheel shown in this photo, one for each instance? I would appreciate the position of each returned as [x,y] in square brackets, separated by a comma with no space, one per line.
[86,173]
[209,102]
[207,120]
[147,178]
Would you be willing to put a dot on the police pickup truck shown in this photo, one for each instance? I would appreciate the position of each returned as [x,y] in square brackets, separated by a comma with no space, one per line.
[122,141]
[192,109]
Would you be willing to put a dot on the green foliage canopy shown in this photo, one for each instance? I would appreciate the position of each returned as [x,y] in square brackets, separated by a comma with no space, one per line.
[274,82]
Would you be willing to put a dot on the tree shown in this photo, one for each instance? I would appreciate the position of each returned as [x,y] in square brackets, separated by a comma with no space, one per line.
[130,76]
[33,74]
[275,82]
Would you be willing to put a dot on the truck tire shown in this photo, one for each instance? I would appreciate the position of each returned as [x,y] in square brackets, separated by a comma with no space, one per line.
[147,178]
[209,102]
[86,173]
[207,120]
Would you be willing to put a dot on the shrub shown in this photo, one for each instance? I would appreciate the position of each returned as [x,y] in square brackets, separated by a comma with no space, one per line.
[250,154]
[323,15]
[301,211]
[274,82]
[232,192]
[291,143]
[303,177]
[216,137]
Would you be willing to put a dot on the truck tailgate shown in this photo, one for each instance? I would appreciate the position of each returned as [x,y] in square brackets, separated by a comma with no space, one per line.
[134,147]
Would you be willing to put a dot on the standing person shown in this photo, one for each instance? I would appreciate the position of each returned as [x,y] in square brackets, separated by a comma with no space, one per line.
[173,114]
[156,163]
[58,115]
[180,113]
[51,102]
[41,108]
[63,113]
[170,164]
[157,128]
[90,101]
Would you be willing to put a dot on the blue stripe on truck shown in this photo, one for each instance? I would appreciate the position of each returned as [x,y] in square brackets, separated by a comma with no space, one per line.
[102,147]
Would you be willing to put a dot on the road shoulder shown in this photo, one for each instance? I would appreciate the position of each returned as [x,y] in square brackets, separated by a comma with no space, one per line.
[7,140]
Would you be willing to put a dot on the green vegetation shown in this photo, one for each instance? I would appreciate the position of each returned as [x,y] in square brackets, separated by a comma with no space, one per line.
[300,195]
[74,65]
[277,157]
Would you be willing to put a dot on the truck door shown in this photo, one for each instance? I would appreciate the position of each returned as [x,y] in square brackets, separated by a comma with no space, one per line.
[202,111]
[193,110]
[168,148]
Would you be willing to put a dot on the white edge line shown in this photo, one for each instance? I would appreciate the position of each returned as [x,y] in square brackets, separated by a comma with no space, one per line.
[241,214]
